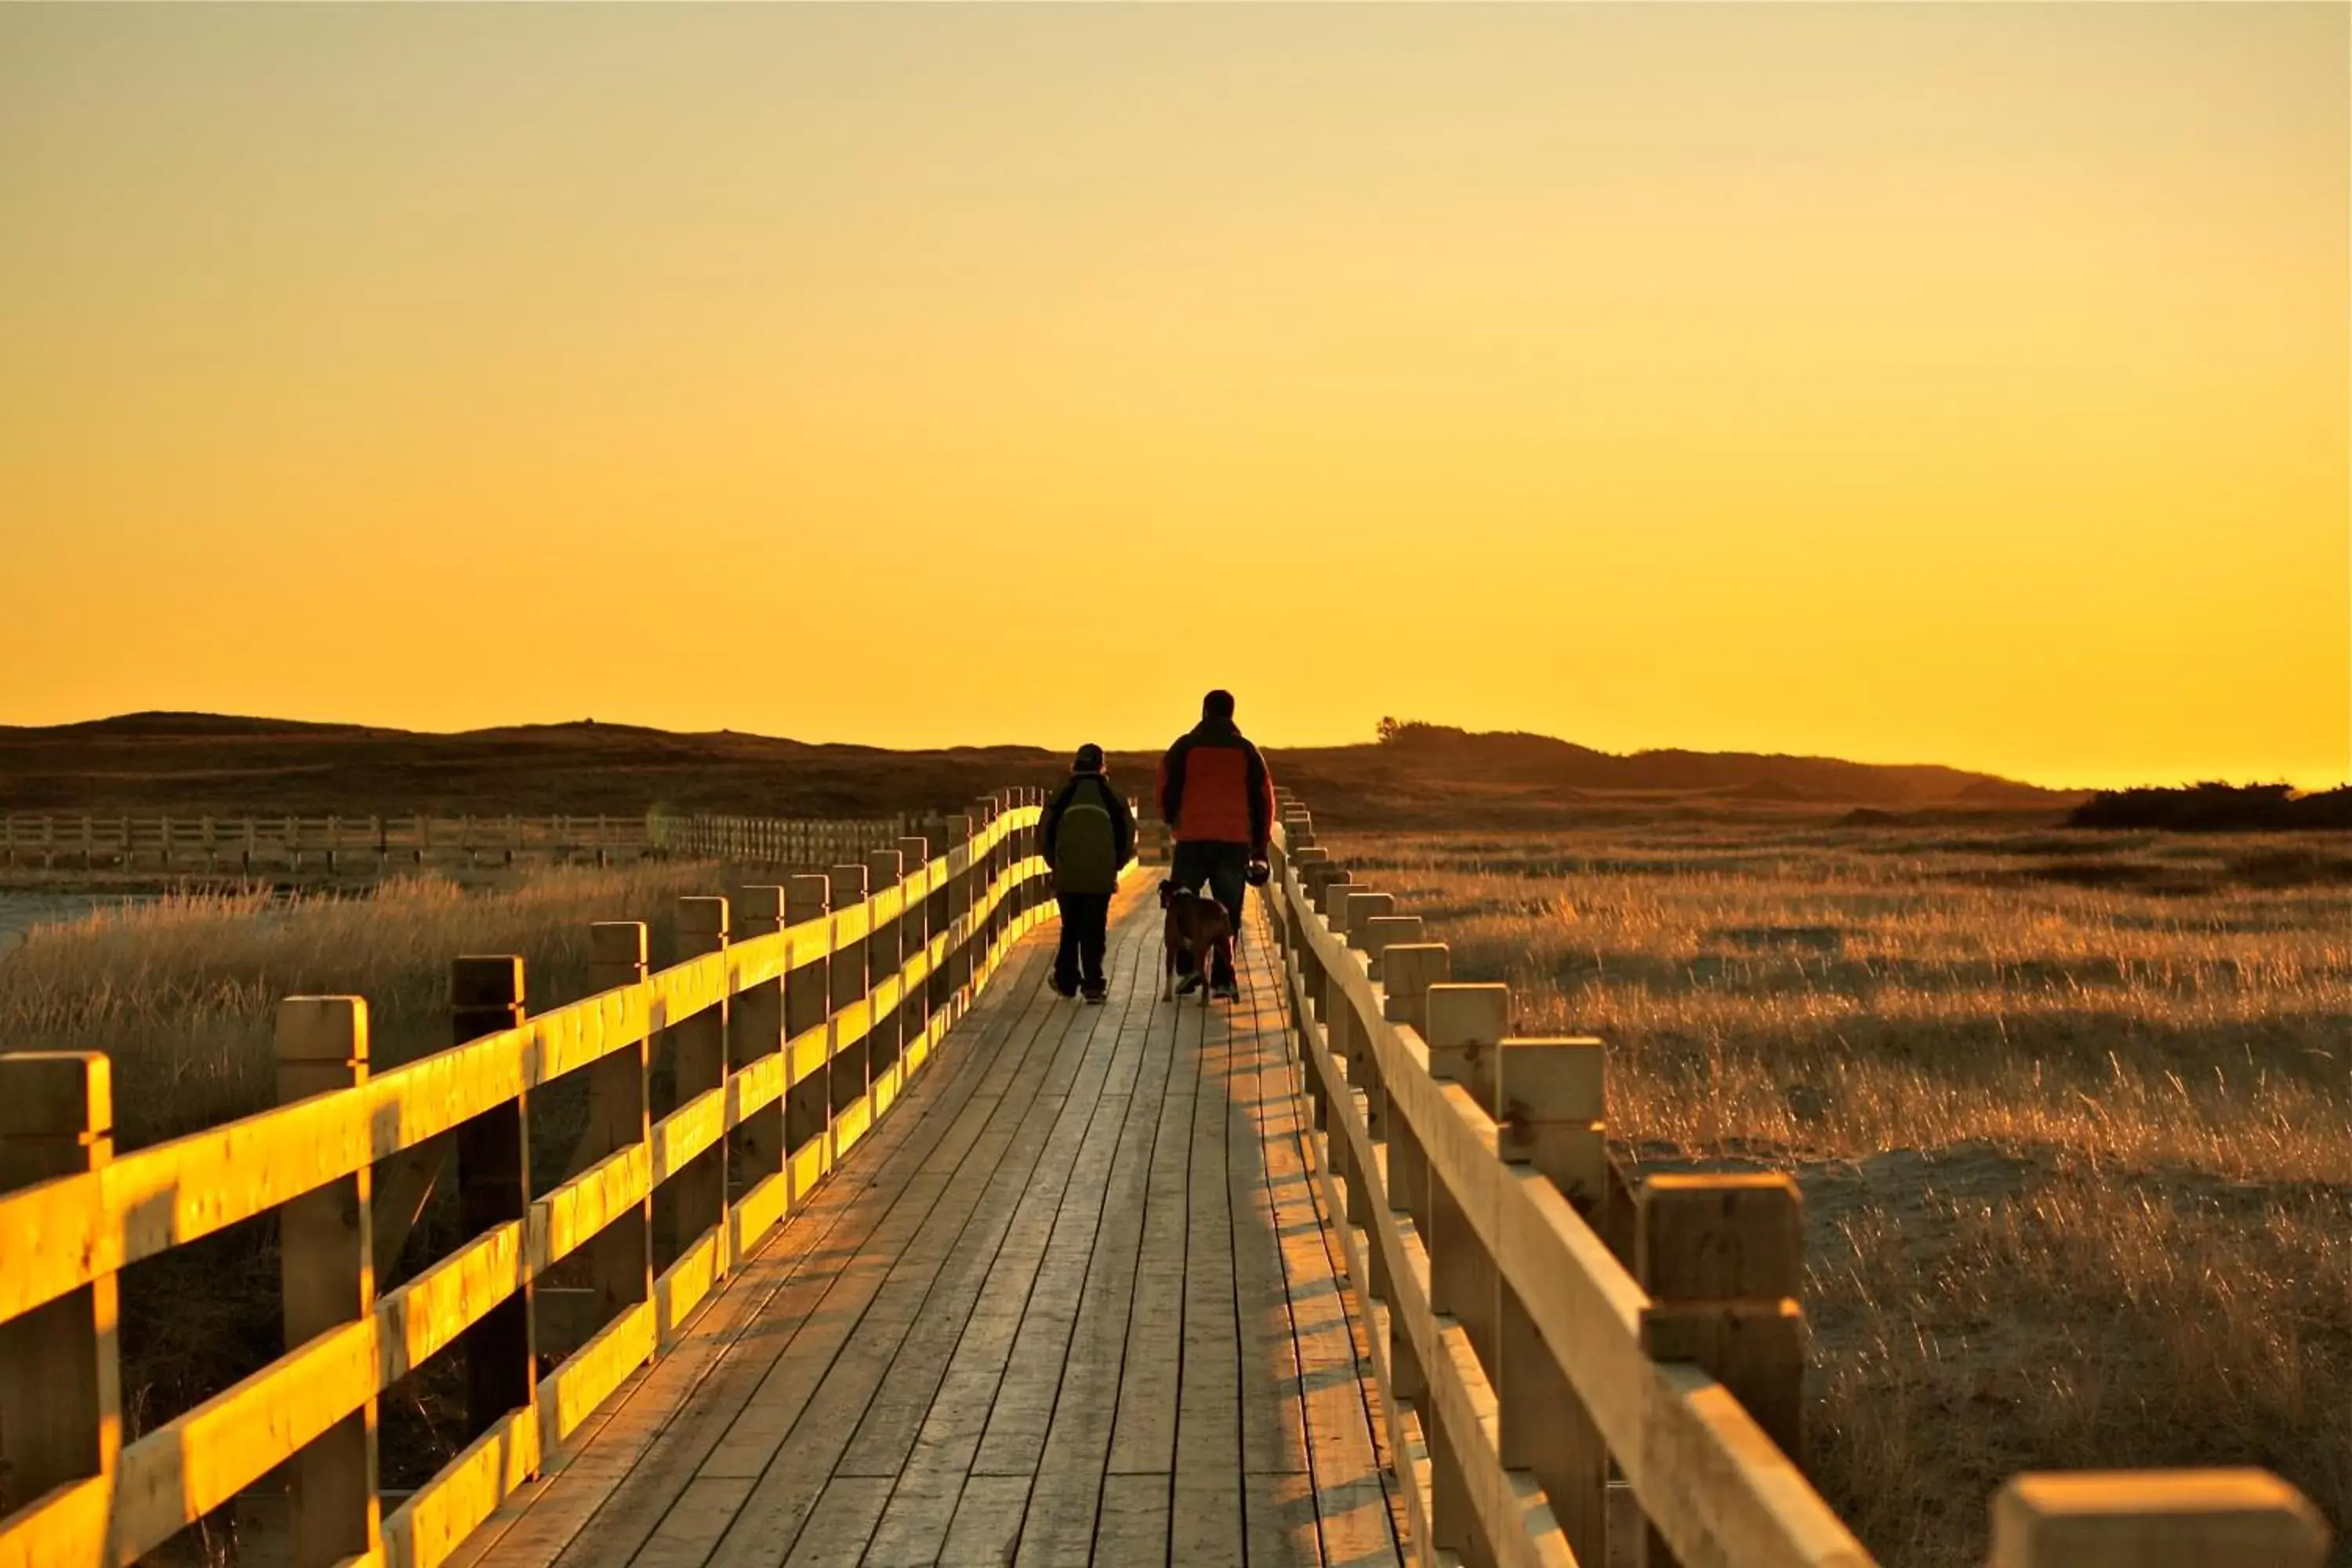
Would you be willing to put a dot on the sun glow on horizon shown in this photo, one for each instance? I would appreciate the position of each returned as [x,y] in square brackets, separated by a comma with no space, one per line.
[1951,383]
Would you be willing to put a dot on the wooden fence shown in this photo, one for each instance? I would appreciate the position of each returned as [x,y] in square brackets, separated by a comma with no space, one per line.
[772,841]
[86,841]
[1579,1369]
[798,1021]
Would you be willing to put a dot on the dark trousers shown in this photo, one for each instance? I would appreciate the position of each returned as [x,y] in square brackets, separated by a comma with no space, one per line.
[1085,920]
[1226,869]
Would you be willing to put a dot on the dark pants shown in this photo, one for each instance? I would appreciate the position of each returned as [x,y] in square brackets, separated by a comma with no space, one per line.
[1226,869]
[1086,919]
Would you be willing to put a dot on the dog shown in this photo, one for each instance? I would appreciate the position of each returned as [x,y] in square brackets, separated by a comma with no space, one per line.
[1188,936]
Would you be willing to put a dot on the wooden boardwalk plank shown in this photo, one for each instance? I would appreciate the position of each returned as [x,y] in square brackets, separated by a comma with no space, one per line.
[886,1435]
[924,1510]
[1279,1512]
[1132,1527]
[1205,1510]
[1143,1437]
[987,1524]
[843,1520]
[1014,1439]
[774,1514]
[811,1321]
[1076,1449]
[1072,1303]
[1351,1498]
[644,1453]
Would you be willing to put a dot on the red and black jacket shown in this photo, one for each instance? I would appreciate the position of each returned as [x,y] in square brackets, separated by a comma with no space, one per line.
[1215,788]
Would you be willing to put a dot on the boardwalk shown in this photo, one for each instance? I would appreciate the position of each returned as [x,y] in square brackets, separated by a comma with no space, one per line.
[1071,1301]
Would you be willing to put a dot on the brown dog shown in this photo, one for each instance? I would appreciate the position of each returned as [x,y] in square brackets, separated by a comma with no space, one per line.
[1194,927]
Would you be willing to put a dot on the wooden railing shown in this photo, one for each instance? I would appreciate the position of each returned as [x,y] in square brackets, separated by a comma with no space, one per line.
[789,1032]
[1578,1369]
[89,841]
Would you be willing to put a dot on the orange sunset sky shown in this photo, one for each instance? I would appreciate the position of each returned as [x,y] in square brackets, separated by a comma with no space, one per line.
[1935,383]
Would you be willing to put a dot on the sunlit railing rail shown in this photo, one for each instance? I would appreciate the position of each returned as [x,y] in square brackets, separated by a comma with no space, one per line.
[790,1031]
[1579,1369]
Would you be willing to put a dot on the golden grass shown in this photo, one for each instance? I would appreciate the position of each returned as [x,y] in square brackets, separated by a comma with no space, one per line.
[2072,1113]
[182,991]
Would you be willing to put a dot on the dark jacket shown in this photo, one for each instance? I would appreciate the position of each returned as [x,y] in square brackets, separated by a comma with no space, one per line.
[1215,788]
[1122,821]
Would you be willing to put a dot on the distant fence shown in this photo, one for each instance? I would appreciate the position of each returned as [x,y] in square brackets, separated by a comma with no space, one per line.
[1577,1369]
[773,841]
[806,1009]
[89,841]
[808,841]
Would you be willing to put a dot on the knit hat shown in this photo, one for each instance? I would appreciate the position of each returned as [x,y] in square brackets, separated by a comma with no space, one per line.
[1089,759]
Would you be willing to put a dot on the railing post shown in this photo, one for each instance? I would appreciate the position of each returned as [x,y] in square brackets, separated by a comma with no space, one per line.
[983,876]
[2156,1518]
[1551,1096]
[1412,969]
[939,921]
[1353,909]
[60,1384]
[1723,1259]
[757,1030]
[885,952]
[1464,1023]
[1377,934]
[620,1256]
[327,1278]
[1477,1019]
[849,1071]
[494,1189]
[915,931]
[808,1004]
[699,1050]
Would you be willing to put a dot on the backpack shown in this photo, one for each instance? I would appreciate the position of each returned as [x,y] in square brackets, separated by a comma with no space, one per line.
[1085,845]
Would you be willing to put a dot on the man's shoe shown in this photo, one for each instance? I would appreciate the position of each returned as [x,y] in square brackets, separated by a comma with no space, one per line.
[1064,992]
[1225,990]
[1187,984]
[1098,995]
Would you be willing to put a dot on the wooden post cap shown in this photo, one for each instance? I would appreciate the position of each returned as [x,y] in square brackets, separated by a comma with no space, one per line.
[848,885]
[1466,1021]
[617,942]
[1408,969]
[1720,1235]
[763,902]
[1377,933]
[884,867]
[331,1029]
[1548,1098]
[701,915]
[57,1094]
[2156,1518]
[807,895]
[1356,908]
[483,980]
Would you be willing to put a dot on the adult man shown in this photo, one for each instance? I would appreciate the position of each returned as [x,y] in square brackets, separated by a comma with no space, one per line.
[1087,835]
[1218,799]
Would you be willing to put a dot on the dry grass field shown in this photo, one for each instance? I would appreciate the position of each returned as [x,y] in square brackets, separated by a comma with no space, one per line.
[2072,1114]
[182,992]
